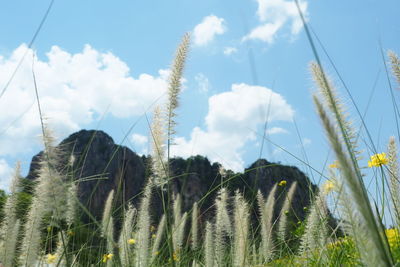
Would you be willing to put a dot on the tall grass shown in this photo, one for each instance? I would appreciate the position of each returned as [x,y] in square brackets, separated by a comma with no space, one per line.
[229,237]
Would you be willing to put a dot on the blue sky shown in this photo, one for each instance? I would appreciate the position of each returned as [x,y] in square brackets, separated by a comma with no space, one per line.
[100,64]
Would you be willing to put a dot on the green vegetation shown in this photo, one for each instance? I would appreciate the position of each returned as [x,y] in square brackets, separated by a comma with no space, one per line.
[39,223]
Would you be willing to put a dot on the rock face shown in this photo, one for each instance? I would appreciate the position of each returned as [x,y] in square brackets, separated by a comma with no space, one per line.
[101,166]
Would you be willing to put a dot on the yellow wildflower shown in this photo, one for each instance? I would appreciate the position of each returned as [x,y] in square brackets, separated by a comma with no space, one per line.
[334,165]
[338,243]
[282,183]
[328,187]
[131,241]
[378,160]
[107,257]
[175,256]
[152,228]
[51,258]
[153,236]
[156,253]
[393,237]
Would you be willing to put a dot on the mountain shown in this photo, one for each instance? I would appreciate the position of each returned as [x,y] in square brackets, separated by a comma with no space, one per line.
[92,158]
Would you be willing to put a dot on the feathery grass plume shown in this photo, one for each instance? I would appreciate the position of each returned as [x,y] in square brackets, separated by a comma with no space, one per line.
[71,204]
[223,227]
[31,241]
[374,251]
[346,209]
[337,108]
[195,226]
[209,246]
[52,185]
[284,214]
[60,250]
[174,87]
[158,148]
[126,235]
[177,209]
[178,228]
[393,168]
[241,233]
[107,225]
[195,264]
[316,230]
[395,63]
[7,226]
[10,246]
[159,237]
[266,221]
[180,235]
[49,198]
[143,228]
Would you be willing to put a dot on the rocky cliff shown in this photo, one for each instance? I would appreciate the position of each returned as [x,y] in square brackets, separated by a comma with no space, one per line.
[100,166]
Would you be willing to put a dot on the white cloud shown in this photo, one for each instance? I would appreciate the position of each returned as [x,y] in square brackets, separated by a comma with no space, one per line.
[306,141]
[74,90]
[5,175]
[277,152]
[202,82]
[230,123]
[273,16]
[205,32]
[230,50]
[265,32]
[139,140]
[276,130]
[140,143]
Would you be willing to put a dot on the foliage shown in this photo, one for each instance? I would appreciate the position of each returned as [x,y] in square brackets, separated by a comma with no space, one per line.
[228,238]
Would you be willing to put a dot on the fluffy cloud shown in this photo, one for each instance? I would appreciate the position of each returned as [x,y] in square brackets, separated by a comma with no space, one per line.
[139,140]
[306,141]
[140,143]
[230,50]
[74,90]
[230,123]
[276,130]
[273,16]
[205,32]
[203,83]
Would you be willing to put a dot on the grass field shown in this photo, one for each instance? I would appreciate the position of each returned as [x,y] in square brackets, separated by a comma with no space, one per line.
[40,228]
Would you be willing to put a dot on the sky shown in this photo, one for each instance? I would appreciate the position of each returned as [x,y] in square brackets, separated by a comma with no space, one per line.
[103,64]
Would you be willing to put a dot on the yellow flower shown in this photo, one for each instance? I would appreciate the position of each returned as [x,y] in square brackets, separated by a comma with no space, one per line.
[152,228]
[328,187]
[378,160]
[51,258]
[131,241]
[393,237]
[107,257]
[156,253]
[153,236]
[334,165]
[282,183]
[338,243]
[175,256]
